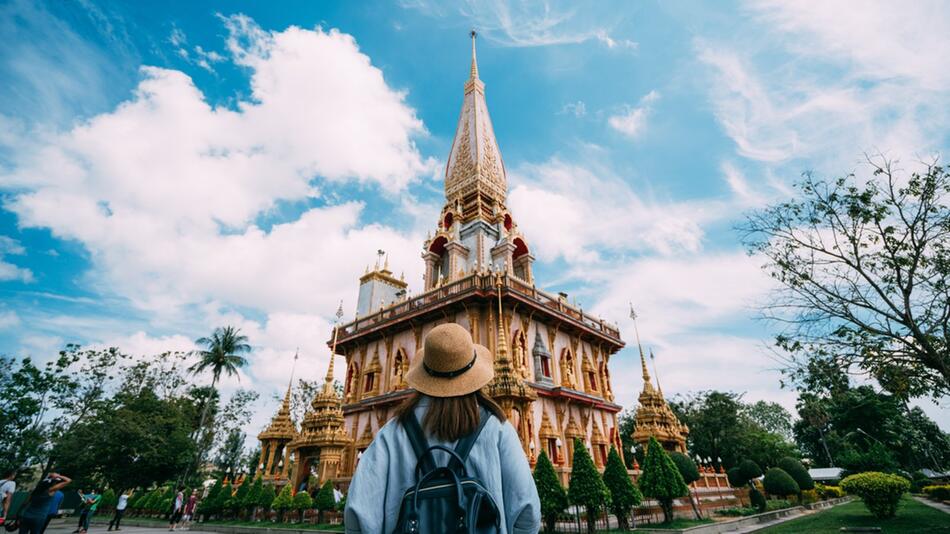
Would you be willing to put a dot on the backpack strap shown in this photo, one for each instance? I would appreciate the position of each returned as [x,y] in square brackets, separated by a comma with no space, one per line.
[464,446]
[420,445]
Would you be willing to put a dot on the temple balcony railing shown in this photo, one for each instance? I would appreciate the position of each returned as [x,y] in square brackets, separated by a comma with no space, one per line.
[484,283]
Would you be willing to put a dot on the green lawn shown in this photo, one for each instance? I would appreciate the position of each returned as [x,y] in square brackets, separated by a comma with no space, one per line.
[675,524]
[912,517]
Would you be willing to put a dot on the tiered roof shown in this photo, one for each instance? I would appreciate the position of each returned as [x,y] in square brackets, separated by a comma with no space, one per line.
[655,418]
[323,424]
[281,427]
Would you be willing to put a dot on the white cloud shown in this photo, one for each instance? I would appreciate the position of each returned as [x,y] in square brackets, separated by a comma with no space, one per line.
[9,319]
[533,23]
[9,271]
[634,119]
[846,81]
[578,109]
[580,213]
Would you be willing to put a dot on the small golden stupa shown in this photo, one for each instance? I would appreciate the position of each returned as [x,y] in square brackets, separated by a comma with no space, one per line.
[655,418]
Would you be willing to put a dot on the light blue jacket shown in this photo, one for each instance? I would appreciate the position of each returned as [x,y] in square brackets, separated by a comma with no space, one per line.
[385,471]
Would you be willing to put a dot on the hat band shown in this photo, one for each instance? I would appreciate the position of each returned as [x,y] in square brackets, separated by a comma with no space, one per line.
[450,374]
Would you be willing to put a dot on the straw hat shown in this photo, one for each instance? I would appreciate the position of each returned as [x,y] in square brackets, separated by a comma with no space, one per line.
[450,364]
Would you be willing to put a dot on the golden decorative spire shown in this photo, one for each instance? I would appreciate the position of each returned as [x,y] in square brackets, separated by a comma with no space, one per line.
[474,73]
[656,373]
[643,364]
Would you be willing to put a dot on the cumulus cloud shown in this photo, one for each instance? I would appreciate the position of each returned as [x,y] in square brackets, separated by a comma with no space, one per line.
[167,193]
[633,119]
[586,213]
[9,271]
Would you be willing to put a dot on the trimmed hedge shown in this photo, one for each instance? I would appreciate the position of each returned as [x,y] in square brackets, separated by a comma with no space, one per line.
[880,492]
[797,471]
[829,492]
[778,482]
[937,493]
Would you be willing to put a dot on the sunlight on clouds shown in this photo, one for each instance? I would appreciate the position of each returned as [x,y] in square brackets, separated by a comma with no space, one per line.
[632,122]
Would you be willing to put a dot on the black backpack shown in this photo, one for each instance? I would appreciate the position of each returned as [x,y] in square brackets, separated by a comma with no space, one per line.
[445,499]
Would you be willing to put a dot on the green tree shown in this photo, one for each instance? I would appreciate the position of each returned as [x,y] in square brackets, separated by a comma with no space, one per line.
[880,492]
[133,439]
[303,501]
[253,497]
[236,502]
[586,488]
[626,426]
[624,495]
[221,501]
[690,473]
[224,353]
[283,502]
[552,495]
[749,470]
[325,500]
[660,479]
[206,506]
[778,482]
[109,499]
[268,496]
[861,263]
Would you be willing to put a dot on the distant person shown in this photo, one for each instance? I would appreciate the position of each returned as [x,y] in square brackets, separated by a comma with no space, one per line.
[178,508]
[7,489]
[33,517]
[54,505]
[120,507]
[190,506]
[92,504]
[83,509]
[337,494]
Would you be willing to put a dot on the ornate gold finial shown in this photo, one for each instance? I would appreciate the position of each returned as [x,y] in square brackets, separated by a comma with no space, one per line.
[474,73]
[643,364]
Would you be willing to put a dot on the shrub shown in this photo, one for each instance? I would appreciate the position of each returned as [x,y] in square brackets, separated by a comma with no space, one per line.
[253,497]
[829,492]
[937,493]
[757,500]
[206,506]
[552,494]
[623,494]
[777,504]
[880,492]
[735,477]
[917,481]
[325,500]
[109,499]
[737,512]
[236,502]
[798,472]
[686,466]
[586,488]
[661,479]
[302,501]
[283,502]
[808,496]
[778,482]
[267,497]
[749,470]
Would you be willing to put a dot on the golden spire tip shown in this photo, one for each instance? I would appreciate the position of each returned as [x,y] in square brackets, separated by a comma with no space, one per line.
[474,72]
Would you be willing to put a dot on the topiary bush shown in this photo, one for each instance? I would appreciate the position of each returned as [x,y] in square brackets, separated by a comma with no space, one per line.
[797,471]
[749,470]
[325,500]
[551,493]
[268,495]
[757,500]
[586,488]
[880,492]
[623,494]
[778,482]
[735,477]
[283,502]
[302,501]
[660,479]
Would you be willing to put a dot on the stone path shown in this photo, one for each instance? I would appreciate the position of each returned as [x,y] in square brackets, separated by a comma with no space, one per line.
[933,504]
[66,526]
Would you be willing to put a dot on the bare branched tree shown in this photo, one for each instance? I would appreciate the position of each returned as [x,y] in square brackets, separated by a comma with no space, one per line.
[863,268]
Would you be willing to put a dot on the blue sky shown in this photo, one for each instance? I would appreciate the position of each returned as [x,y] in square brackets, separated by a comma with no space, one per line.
[165,169]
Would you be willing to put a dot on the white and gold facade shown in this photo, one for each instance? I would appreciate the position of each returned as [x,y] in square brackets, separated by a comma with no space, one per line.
[551,359]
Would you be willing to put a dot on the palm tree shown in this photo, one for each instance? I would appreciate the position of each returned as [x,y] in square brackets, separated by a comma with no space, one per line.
[223,353]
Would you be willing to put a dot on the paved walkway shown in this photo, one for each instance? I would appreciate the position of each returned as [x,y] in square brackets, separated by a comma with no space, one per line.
[934,504]
[66,526]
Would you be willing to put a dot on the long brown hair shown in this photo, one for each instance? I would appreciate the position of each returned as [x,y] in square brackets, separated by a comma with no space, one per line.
[450,418]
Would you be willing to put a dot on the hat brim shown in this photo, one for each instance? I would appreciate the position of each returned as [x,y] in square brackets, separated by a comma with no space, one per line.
[477,377]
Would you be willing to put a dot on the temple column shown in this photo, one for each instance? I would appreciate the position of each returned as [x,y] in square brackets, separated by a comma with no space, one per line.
[270,459]
[431,272]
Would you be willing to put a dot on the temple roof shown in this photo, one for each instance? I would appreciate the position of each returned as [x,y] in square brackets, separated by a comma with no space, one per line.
[655,418]
[475,162]
[281,426]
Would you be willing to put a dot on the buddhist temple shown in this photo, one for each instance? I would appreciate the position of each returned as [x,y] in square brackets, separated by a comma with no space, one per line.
[275,453]
[655,418]
[551,358]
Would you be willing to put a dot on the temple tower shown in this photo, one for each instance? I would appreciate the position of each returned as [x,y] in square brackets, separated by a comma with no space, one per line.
[551,358]
[275,453]
[319,447]
[655,418]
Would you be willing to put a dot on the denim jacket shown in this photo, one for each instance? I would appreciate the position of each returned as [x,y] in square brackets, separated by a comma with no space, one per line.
[385,471]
